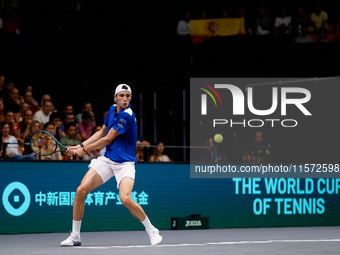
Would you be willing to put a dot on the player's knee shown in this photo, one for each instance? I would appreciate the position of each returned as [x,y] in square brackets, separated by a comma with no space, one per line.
[81,193]
[126,200]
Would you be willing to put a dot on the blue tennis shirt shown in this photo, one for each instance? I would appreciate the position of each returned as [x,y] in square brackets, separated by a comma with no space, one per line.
[123,147]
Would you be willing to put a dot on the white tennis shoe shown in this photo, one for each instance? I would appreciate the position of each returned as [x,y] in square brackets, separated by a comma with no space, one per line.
[154,236]
[72,240]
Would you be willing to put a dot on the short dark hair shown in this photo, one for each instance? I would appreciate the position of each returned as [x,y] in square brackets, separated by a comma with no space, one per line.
[86,104]
[54,115]
[86,115]
[68,125]
[7,111]
[47,124]
[4,123]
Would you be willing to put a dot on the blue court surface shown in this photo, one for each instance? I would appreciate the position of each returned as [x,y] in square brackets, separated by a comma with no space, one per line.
[290,240]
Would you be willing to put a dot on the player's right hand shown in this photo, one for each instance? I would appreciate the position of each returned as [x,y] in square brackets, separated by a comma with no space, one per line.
[72,150]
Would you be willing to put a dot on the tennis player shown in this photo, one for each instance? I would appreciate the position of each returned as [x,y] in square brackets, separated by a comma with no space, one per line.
[119,134]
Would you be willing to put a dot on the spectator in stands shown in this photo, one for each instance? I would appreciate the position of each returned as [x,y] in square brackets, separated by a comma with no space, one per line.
[86,126]
[43,115]
[86,108]
[28,89]
[25,124]
[247,22]
[14,96]
[34,126]
[7,89]
[258,152]
[140,154]
[70,138]
[44,98]
[68,109]
[262,22]
[319,20]
[211,154]
[141,144]
[322,37]
[283,23]
[2,110]
[13,102]
[183,26]
[158,154]
[203,15]
[19,116]
[15,128]
[69,118]
[47,97]
[301,21]
[13,149]
[49,127]
[28,98]
[304,37]
[55,118]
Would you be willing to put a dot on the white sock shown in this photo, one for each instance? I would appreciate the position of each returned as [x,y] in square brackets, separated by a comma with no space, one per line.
[147,224]
[76,227]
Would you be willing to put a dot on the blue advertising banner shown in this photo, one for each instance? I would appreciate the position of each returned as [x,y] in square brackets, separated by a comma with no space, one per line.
[38,197]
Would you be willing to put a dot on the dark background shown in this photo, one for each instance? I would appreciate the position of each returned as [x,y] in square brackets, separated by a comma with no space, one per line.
[136,43]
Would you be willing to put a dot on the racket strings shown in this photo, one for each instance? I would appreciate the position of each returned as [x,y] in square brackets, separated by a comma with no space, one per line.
[43,143]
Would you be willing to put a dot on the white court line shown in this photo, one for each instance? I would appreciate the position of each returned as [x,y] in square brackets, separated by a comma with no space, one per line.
[204,244]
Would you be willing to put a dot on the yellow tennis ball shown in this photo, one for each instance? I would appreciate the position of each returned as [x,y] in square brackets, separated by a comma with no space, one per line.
[218,138]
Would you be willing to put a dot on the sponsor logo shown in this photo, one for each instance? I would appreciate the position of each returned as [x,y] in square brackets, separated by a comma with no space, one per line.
[16,198]
[193,223]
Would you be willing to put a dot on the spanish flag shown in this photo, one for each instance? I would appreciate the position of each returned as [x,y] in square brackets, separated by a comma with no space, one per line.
[201,29]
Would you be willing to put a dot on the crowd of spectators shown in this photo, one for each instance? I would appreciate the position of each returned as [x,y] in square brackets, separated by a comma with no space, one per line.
[21,115]
[255,151]
[301,26]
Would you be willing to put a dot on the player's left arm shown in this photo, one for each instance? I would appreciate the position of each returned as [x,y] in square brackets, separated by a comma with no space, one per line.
[100,143]
[95,137]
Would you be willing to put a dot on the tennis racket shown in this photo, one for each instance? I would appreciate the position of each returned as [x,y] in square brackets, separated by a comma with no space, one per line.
[44,144]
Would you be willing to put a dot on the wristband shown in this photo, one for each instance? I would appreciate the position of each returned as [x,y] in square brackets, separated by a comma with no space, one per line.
[82,145]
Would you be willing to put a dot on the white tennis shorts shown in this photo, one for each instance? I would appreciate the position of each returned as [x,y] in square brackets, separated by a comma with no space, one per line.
[107,168]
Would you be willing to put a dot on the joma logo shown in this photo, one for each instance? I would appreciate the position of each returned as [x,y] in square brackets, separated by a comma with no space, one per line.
[193,223]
